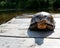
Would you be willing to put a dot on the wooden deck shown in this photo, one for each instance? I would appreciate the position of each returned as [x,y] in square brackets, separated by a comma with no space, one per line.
[15,34]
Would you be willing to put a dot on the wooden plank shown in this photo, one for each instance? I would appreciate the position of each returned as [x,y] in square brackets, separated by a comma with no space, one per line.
[19,27]
[19,21]
[6,42]
[56,15]
[24,23]
[31,34]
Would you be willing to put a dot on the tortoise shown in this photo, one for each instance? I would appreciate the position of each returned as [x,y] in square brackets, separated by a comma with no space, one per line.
[42,21]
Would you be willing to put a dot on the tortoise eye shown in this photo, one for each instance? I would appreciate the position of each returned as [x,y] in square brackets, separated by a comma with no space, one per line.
[45,16]
[40,17]
[50,19]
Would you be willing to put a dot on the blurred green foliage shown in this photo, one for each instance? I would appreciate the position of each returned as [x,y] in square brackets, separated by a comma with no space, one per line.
[11,6]
[30,4]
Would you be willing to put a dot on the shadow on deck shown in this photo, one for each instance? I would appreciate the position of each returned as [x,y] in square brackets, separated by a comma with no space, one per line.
[39,34]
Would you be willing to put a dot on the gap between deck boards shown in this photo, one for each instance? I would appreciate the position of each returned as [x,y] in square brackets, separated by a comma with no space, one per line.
[27,37]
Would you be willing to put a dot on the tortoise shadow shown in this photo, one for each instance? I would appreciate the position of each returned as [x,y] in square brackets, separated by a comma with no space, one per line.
[39,35]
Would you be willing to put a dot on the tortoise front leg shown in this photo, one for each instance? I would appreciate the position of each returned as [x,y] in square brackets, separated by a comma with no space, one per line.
[50,27]
[33,26]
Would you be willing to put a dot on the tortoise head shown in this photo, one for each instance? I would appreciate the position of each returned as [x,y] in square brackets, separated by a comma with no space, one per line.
[44,19]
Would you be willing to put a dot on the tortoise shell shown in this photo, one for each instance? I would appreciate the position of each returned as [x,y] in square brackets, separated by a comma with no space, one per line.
[42,21]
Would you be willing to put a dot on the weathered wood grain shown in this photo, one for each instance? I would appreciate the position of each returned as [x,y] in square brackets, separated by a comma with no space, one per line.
[24,23]
[15,34]
[19,27]
[6,42]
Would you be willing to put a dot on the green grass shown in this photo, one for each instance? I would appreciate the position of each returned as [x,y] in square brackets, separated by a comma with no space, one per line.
[6,16]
